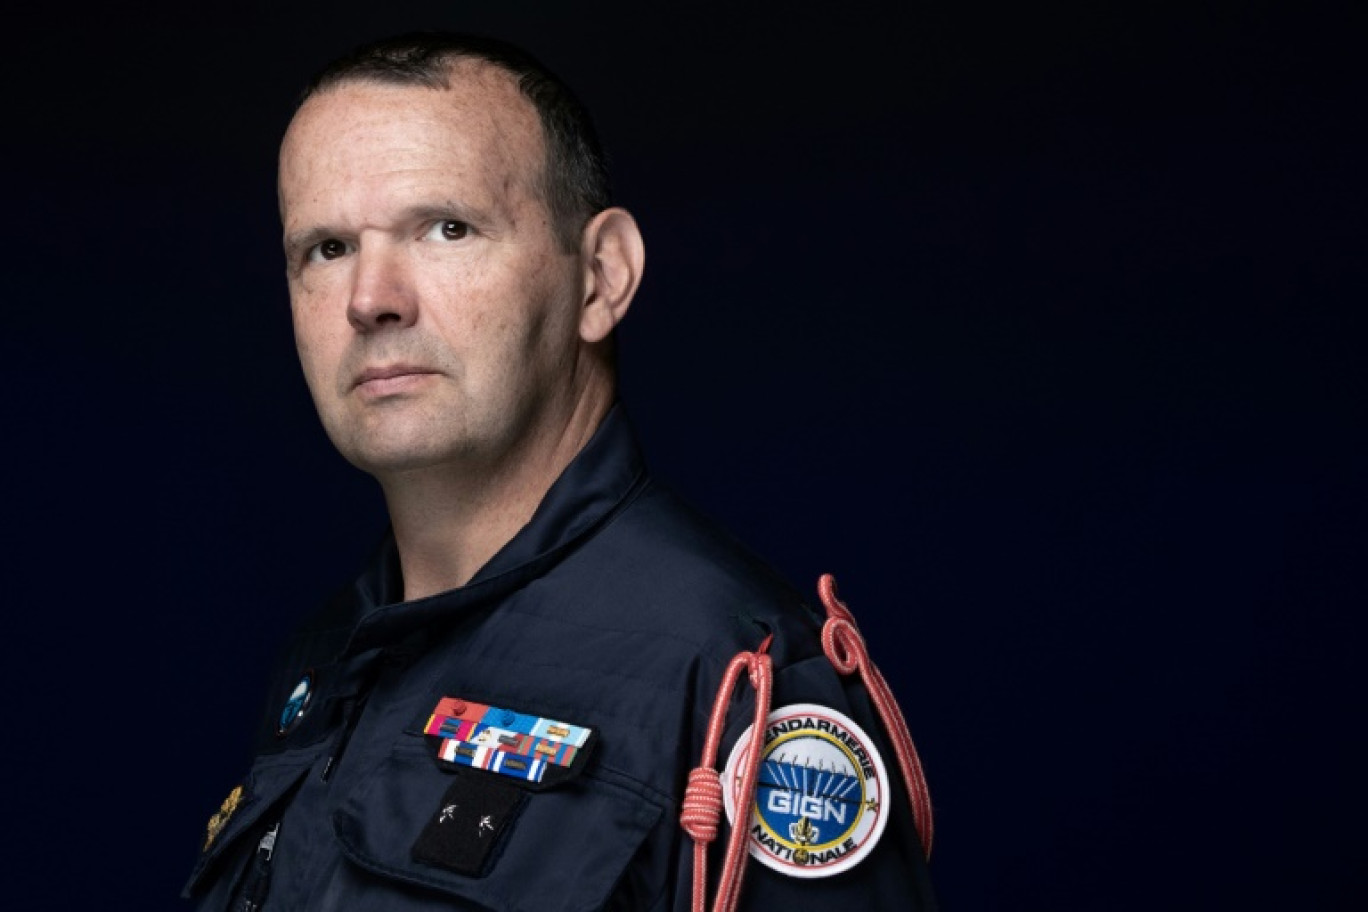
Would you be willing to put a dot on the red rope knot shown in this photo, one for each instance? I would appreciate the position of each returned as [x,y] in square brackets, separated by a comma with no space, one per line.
[841,639]
[701,812]
[702,809]
[845,648]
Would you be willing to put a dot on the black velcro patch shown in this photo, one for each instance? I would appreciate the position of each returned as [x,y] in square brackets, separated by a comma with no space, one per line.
[473,815]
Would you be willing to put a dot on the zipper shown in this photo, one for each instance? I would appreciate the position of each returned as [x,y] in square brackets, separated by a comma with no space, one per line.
[257,883]
[355,707]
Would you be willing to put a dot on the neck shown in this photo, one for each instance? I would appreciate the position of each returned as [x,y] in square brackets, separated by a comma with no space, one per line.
[450,519]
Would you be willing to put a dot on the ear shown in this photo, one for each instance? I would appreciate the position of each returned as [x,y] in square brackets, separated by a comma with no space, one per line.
[614,256]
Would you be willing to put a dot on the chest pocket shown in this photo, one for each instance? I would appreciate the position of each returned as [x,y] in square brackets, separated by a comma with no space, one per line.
[563,848]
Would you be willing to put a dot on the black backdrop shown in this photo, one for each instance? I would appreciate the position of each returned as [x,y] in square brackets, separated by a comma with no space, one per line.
[1038,326]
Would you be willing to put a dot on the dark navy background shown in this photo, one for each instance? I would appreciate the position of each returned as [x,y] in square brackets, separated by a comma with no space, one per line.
[1039,326]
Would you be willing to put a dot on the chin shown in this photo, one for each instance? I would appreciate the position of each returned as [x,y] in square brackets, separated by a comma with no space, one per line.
[393,453]
[397,442]
[391,460]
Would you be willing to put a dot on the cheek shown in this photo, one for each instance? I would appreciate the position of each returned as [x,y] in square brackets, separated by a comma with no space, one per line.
[309,310]
[304,323]
[549,296]
[313,343]
[495,315]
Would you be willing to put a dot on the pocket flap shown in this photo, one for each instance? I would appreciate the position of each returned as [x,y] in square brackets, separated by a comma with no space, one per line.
[586,831]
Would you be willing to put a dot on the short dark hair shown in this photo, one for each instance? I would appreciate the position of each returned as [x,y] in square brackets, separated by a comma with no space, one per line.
[574,180]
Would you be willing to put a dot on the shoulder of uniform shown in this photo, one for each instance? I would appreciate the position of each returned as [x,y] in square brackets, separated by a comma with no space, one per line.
[713,589]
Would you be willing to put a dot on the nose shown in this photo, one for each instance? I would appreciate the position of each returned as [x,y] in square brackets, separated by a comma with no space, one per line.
[382,292]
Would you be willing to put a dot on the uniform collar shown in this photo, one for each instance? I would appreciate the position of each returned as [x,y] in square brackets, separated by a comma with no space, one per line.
[598,482]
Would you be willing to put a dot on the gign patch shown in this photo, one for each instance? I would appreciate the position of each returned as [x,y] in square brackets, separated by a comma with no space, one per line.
[819,800]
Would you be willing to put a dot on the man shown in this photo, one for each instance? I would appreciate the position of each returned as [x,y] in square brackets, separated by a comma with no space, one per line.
[503,711]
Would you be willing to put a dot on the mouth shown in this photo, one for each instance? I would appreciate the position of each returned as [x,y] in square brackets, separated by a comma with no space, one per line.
[390,378]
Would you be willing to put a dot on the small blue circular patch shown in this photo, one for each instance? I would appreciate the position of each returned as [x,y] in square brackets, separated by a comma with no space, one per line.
[296,705]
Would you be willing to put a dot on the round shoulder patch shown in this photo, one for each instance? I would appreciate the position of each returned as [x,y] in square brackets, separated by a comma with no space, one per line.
[819,798]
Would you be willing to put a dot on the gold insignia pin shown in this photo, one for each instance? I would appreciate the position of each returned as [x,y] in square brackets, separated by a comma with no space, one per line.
[220,820]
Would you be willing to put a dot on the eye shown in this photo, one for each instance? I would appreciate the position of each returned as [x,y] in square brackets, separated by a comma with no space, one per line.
[330,249]
[447,230]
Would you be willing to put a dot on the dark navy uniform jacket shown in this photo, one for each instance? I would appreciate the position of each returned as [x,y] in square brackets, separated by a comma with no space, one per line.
[617,608]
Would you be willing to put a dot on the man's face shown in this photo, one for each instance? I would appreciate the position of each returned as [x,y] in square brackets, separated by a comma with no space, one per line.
[435,313]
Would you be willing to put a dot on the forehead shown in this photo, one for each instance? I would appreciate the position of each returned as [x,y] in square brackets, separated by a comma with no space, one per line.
[479,130]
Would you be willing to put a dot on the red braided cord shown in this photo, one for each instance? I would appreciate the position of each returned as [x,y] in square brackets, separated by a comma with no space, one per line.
[729,889]
[845,647]
[702,807]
